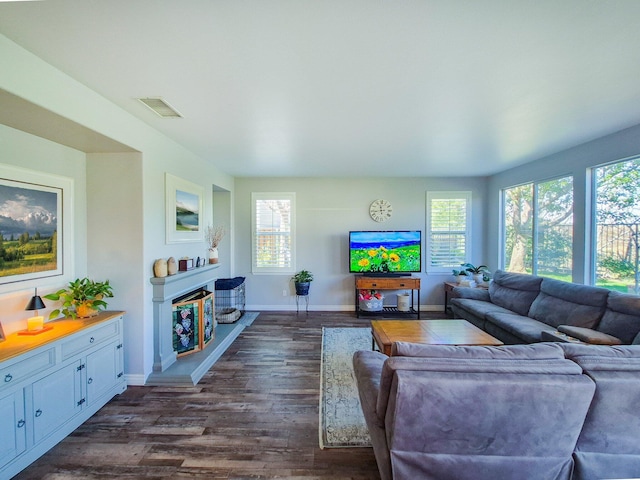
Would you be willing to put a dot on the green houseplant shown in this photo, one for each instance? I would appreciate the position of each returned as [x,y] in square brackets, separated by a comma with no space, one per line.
[81,298]
[476,272]
[302,280]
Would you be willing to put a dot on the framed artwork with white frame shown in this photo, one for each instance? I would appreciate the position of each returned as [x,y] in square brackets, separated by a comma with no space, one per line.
[36,227]
[184,203]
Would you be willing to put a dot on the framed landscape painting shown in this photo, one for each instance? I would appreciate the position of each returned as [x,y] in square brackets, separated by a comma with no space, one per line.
[184,201]
[31,230]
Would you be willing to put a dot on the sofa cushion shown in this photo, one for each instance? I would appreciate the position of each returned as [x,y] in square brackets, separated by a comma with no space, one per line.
[512,352]
[608,445]
[589,336]
[564,303]
[478,308]
[479,418]
[514,291]
[622,317]
[507,359]
[525,328]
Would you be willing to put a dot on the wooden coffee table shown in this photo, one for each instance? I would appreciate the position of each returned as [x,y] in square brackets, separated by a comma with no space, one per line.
[428,332]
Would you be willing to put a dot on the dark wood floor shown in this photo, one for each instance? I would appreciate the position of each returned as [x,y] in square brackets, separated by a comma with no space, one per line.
[254,415]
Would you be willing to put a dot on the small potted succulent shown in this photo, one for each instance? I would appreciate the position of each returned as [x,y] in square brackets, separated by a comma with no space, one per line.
[302,281]
[82,298]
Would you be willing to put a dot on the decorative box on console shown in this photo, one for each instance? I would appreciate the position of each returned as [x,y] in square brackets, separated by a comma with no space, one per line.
[185,264]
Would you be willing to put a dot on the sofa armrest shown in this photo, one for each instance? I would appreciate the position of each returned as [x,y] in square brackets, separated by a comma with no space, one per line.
[589,336]
[367,367]
[472,293]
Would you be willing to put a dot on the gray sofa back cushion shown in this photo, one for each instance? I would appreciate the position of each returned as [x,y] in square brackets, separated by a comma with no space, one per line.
[564,303]
[484,422]
[538,358]
[608,445]
[622,317]
[514,291]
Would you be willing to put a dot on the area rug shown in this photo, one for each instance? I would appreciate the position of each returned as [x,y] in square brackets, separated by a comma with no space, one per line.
[342,423]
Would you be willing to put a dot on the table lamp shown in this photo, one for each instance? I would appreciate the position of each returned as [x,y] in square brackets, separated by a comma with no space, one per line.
[35,324]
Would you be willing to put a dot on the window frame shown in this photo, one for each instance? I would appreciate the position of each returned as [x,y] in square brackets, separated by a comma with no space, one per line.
[465,195]
[535,220]
[285,270]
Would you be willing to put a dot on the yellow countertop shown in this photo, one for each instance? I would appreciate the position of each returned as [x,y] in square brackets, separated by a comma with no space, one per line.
[16,344]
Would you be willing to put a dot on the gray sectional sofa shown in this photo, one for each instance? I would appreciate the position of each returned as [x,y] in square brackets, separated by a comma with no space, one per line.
[539,411]
[519,308]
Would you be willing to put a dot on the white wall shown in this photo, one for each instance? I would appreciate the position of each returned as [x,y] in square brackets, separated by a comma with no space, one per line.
[19,149]
[25,76]
[326,209]
[574,161]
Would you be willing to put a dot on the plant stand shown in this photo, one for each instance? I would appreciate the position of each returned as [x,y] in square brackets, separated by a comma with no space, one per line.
[301,298]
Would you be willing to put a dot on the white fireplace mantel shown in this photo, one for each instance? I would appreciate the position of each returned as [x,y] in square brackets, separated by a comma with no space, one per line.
[165,290]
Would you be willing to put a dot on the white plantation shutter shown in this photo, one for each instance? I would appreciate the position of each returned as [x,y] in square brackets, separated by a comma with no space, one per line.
[448,225]
[273,232]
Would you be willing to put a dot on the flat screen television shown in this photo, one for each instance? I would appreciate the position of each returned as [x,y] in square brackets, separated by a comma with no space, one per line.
[385,252]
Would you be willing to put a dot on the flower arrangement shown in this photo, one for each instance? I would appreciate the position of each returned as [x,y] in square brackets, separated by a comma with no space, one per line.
[369,295]
[214,236]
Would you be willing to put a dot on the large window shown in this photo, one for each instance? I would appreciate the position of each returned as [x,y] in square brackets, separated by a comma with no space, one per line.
[617,223]
[538,228]
[449,227]
[273,232]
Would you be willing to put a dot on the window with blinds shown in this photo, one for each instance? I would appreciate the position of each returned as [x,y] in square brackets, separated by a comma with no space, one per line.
[273,232]
[448,230]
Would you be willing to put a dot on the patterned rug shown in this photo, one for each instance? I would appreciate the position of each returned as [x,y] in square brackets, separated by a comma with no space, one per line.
[341,420]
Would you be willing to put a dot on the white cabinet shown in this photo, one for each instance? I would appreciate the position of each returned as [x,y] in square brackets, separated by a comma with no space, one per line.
[54,382]
[56,399]
[12,427]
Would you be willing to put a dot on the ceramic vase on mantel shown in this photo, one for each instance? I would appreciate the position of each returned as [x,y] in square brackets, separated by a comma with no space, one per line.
[213,255]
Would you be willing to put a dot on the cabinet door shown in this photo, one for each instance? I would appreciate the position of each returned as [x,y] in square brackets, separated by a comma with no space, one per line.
[12,426]
[103,371]
[56,398]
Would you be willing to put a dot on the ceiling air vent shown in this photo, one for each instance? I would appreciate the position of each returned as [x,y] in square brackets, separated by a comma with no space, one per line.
[160,107]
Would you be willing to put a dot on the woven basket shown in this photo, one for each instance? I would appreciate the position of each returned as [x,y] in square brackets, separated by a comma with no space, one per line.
[373,305]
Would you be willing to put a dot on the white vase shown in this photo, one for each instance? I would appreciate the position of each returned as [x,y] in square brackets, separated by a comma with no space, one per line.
[213,255]
[477,277]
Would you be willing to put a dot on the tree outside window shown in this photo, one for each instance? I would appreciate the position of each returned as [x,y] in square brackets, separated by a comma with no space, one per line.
[538,228]
[617,220]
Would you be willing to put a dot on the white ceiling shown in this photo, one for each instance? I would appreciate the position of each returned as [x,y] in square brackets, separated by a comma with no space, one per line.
[353,88]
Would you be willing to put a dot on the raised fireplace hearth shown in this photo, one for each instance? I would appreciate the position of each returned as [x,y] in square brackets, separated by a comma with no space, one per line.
[165,291]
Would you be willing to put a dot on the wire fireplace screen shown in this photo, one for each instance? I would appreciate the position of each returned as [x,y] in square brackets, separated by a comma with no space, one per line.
[230,299]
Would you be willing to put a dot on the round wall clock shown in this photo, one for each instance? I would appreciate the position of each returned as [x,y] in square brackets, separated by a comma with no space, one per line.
[380,210]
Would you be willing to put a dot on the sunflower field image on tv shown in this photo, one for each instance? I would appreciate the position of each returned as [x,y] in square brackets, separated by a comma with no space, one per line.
[384,251]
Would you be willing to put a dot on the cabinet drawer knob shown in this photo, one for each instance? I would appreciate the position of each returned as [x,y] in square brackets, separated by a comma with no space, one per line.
[21,423]
[8,377]
[90,381]
[38,412]
[91,340]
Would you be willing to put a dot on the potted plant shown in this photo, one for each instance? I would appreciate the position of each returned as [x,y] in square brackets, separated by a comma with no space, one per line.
[82,298]
[302,280]
[476,272]
[460,275]
[214,236]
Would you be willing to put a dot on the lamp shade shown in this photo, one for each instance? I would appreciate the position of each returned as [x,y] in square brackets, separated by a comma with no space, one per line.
[35,303]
